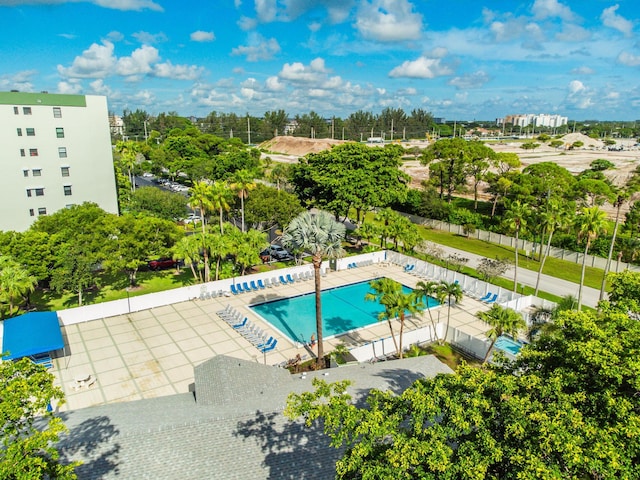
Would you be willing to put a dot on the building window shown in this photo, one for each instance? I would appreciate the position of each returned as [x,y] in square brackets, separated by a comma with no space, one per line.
[42,211]
[28,192]
[57,112]
[31,132]
[26,110]
[19,131]
[67,190]
[70,205]
[36,172]
[15,110]
[22,154]
[64,171]
[62,152]
[33,152]
[25,173]
[59,132]
[31,212]
[39,192]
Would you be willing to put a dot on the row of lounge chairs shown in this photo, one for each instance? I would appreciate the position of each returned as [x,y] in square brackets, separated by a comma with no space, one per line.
[489,298]
[216,293]
[249,330]
[273,282]
[363,263]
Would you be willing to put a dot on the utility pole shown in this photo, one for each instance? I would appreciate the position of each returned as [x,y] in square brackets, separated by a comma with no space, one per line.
[392,129]
[248,129]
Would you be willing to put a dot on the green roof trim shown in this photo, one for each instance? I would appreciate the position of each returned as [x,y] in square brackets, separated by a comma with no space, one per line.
[47,99]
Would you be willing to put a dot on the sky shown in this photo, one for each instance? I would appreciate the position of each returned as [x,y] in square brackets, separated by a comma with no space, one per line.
[458,59]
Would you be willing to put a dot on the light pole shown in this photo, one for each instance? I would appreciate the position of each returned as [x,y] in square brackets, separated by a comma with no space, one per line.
[128,301]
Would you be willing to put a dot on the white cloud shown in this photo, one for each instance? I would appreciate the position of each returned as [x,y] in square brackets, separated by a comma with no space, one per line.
[573,33]
[139,63]
[471,80]
[126,5]
[297,72]
[99,88]
[149,38]
[259,48]
[97,61]
[115,36]
[388,21]
[71,87]
[273,84]
[266,10]
[18,81]
[200,36]
[423,67]
[68,36]
[579,96]
[629,59]
[177,72]
[611,19]
[583,71]
[246,23]
[551,8]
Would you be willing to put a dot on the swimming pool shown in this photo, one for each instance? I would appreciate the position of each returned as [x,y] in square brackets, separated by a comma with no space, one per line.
[343,309]
[508,345]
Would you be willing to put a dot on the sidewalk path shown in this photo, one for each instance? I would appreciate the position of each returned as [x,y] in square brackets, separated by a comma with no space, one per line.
[550,284]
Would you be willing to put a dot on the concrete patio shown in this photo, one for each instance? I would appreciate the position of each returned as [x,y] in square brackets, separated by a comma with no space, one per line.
[152,353]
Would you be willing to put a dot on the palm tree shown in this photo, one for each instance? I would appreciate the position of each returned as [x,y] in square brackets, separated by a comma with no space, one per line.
[220,196]
[424,290]
[128,156]
[219,246]
[188,251]
[591,223]
[382,287]
[553,218]
[243,183]
[501,320]
[449,292]
[516,220]
[201,199]
[399,304]
[320,235]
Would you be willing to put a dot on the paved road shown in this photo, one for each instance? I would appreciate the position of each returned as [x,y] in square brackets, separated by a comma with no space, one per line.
[548,283]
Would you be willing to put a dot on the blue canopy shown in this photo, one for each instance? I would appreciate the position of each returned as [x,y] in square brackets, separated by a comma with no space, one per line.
[31,334]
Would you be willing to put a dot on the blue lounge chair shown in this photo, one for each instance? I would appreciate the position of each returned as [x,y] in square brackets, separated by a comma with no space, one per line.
[234,290]
[246,287]
[486,297]
[242,324]
[408,268]
[264,344]
[253,285]
[282,280]
[239,288]
[260,284]
[492,299]
[289,279]
[268,348]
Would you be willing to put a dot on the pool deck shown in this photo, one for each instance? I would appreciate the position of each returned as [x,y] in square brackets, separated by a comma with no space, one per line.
[152,353]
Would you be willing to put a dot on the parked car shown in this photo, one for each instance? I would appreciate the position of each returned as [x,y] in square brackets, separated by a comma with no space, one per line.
[162,263]
[275,252]
[191,218]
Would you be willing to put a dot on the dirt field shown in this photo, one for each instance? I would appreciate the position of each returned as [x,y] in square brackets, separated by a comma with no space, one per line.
[288,149]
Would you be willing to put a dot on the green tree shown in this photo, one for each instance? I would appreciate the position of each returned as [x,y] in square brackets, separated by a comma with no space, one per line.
[242,183]
[449,292]
[220,196]
[516,221]
[268,207]
[187,249]
[425,290]
[30,430]
[383,287]
[480,158]
[200,198]
[128,151]
[159,203]
[447,160]
[321,236]
[73,271]
[624,292]
[590,223]
[502,321]
[15,281]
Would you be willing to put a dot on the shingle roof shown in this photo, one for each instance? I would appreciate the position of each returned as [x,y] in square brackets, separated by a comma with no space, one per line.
[234,431]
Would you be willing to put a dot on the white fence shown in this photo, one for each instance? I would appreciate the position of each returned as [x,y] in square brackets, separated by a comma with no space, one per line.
[524,245]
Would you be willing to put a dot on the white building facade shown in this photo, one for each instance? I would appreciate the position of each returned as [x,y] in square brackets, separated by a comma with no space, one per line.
[55,152]
[537,120]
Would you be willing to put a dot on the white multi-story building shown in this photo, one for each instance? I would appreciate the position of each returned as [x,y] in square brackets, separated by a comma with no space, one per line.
[55,152]
[539,120]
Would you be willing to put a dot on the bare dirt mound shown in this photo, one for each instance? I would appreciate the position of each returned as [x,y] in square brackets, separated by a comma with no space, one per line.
[571,138]
[298,145]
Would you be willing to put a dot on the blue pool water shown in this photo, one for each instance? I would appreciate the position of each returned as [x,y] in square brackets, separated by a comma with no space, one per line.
[508,345]
[343,309]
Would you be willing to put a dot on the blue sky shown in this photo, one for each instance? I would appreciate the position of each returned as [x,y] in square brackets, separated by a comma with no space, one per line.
[458,59]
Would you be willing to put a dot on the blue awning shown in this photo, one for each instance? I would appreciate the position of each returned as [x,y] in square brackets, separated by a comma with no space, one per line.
[31,334]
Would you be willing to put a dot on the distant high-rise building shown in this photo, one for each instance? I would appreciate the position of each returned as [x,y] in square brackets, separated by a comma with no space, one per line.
[539,120]
[55,152]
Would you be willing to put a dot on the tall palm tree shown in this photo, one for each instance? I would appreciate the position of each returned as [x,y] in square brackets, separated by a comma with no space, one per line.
[449,292]
[424,290]
[319,234]
[591,223]
[219,246]
[243,183]
[128,157]
[399,304]
[382,287]
[201,198]
[501,320]
[553,218]
[220,196]
[516,220]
